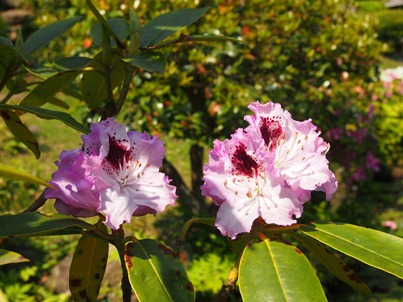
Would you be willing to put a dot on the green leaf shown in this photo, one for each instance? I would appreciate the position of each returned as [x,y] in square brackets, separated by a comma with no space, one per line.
[333,263]
[93,83]
[167,24]
[69,63]
[36,224]
[118,25]
[48,33]
[40,71]
[6,41]
[88,267]
[48,88]
[7,257]
[20,131]
[9,61]
[275,271]
[49,114]
[16,174]
[58,102]
[155,274]
[375,248]
[150,61]
[135,32]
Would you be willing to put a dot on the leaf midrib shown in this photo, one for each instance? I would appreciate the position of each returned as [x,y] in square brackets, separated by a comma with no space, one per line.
[156,271]
[348,241]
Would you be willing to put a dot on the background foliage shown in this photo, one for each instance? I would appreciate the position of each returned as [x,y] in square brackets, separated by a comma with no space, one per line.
[319,59]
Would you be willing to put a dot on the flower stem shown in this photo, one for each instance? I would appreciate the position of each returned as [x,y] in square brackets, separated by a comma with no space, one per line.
[120,246]
[229,284]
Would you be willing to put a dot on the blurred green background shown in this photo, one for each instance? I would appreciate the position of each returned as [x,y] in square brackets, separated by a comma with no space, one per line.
[327,60]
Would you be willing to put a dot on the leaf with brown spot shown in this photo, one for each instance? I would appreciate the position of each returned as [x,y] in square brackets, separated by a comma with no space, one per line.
[7,257]
[155,274]
[333,263]
[20,131]
[88,267]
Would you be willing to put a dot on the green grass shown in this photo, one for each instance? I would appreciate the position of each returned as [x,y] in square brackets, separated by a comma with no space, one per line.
[387,62]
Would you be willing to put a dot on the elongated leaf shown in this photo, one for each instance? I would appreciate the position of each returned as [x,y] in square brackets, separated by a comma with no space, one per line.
[375,248]
[118,25]
[69,63]
[7,257]
[58,102]
[20,131]
[40,71]
[16,174]
[88,268]
[9,61]
[167,24]
[94,85]
[48,88]
[48,33]
[155,274]
[274,271]
[48,114]
[6,41]
[150,61]
[36,224]
[333,263]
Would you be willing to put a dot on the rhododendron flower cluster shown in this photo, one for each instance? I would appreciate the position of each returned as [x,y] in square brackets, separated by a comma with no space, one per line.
[115,172]
[267,170]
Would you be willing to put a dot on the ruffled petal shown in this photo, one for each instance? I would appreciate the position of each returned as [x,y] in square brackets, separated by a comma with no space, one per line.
[232,220]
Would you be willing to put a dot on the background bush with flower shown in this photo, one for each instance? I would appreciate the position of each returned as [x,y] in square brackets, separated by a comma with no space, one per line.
[253,217]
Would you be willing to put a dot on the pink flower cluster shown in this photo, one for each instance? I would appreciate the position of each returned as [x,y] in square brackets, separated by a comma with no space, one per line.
[267,170]
[115,172]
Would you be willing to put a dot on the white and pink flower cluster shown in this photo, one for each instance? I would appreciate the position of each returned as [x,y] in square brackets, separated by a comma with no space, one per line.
[115,172]
[267,170]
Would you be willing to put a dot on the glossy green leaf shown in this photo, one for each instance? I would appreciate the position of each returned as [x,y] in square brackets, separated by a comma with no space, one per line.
[48,88]
[135,32]
[48,33]
[6,41]
[155,274]
[333,263]
[88,267]
[9,61]
[94,84]
[274,271]
[7,257]
[167,24]
[150,61]
[40,71]
[48,114]
[375,248]
[36,224]
[20,131]
[118,25]
[58,102]
[69,63]
[16,174]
